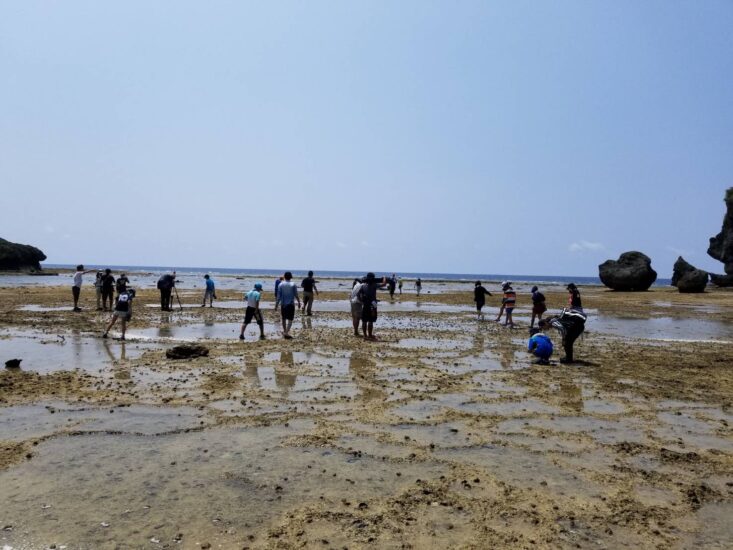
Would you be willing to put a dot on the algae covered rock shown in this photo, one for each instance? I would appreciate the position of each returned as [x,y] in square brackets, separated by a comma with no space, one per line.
[687,278]
[16,257]
[187,351]
[631,272]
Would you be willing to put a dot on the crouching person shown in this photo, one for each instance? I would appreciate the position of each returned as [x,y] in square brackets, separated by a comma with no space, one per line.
[122,311]
[570,324]
[540,346]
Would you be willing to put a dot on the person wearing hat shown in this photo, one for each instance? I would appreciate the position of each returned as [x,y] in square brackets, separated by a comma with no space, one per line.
[479,296]
[253,311]
[538,305]
[507,304]
[574,297]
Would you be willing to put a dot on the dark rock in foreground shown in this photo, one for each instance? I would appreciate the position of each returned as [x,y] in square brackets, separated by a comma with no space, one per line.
[13,364]
[187,351]
[687,278]
[721,246]
[721,280]
[631,272]
[16,257]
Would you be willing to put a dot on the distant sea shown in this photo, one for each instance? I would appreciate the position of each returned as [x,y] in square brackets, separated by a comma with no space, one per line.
[545,279]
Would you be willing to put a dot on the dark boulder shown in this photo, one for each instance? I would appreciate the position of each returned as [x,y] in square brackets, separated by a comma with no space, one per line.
[631,272]
[721,246]
[16,257]
[13,364]
[187,351]
[721,280]
[687,278]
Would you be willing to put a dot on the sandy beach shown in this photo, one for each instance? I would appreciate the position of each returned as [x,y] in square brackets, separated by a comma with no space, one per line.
[442,434]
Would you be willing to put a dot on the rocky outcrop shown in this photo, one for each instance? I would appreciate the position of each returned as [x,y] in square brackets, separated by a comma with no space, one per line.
[721,246]
[187,351]
[687,278]
[721,280]
[631,272]
[17,257]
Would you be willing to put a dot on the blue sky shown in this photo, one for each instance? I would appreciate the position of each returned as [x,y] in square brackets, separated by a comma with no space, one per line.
[484,137]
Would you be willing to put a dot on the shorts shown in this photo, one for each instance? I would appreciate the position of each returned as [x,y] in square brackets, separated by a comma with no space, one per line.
[509,310]
[121,315]
[356,310]
[76,290]
[369,314]
[539,308]
[107,293]
[251,312]
[208,294]
[479,305]
[288,312]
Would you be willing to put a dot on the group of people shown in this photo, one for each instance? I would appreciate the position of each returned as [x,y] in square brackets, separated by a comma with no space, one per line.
[570,323]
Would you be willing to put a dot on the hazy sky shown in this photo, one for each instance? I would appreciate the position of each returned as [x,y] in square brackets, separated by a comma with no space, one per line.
[488,137]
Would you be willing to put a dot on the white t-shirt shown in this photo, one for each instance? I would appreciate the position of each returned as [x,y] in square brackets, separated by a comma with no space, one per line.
[77,278]
[355,294]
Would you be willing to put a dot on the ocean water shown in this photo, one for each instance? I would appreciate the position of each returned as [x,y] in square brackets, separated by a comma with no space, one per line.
[147,276]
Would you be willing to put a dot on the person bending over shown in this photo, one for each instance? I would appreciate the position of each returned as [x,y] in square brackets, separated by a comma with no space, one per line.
[570,324]
[540,346]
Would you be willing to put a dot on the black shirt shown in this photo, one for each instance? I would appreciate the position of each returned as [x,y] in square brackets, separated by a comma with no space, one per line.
[479,292]
[308,284]
[108,282]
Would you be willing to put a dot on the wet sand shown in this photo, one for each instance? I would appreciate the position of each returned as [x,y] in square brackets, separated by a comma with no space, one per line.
[442,434]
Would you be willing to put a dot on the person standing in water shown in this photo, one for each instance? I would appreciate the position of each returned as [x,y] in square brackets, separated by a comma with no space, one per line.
[538,305]
[166,283]
[399,284]
[253,311]
[122,311]
[210,291]
[309,286]
[418,286]
[287,295]
[392,285]
[479,296]
[368,297]
[356,306]
[76,287]
[507,304]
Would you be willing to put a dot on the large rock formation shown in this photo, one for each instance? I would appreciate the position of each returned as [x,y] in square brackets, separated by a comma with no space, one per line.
[721,246]
[687,278]
[632,271]
[721,280]
[17,257]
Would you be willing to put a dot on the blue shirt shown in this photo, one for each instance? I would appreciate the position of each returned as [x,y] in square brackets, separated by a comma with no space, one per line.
[209,284]
[540,344]
[287,292]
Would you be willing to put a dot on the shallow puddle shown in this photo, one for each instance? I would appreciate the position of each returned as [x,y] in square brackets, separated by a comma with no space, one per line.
[43,352]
